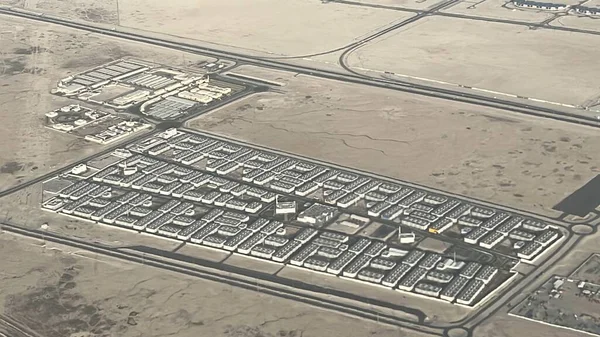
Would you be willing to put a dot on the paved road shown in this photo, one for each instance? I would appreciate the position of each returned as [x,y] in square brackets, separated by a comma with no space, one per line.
[531,281]
[243,278]
[497,302]
[352,78]
[70,166]
[544,24]
[9,327]
[413,88]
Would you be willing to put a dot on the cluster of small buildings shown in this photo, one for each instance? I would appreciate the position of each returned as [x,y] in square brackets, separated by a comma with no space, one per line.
[478,225]
[583,10]
[164,184]
[94,125]
[529,236]
[163,93]
[72,117]
[117,131]
[540,5]
[416,271]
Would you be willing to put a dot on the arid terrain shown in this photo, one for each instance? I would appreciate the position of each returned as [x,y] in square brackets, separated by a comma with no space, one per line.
[69,293]
[483,153]
[510,159]
[458,51]
[33,58]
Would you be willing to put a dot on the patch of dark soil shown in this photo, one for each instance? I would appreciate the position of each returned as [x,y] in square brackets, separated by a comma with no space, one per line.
[11,167]
[31,50]
[56,309]
[12,66]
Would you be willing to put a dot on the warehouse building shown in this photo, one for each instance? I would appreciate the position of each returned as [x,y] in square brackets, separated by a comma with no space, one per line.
[371,276]
[530,250]
[470,270]
[491,240]
[428,289]
[446,207]
[356,265]
[316,264]
[470,292]
[452,290]
[474,236]
[341,262]
[393,277]
[360,245]
[284,252]
[439,277]
[413,257]
[546,237]
[481,212]
[486,274]
[521,235]
[410,281]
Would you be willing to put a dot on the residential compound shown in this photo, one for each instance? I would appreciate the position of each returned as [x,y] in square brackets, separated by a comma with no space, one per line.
[206,190]
[562,7]
[159,92]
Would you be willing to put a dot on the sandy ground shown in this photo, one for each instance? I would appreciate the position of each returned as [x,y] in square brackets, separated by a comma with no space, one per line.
[295,27]
[581,22]
[414,4]
[508,326]
[32,58]
[89,10]
[495,9]
[491,56]
[500,157]
[58,294]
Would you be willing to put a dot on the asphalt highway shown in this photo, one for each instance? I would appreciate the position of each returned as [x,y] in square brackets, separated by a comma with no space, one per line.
[543,24]
[70,166]
[248,280]
[9,327]
[349,76]
[429,91]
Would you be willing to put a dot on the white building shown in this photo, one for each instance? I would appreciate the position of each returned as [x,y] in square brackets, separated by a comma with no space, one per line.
[79,169]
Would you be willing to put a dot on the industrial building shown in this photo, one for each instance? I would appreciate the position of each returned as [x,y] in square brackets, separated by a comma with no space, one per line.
[160,92]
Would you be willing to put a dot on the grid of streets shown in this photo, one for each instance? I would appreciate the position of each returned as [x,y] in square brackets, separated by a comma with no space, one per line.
[231,196]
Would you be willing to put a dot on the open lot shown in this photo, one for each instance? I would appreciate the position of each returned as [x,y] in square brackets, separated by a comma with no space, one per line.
[589,270]
[459,51]
[497,156]
[38,283]
[576,21]
[35,56]
[414,4]
[88,10]
[296,27]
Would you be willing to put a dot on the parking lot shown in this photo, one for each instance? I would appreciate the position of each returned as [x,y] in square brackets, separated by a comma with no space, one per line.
[204,190]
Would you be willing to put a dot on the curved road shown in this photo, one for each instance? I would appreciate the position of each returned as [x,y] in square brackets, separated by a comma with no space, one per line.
[353,77]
